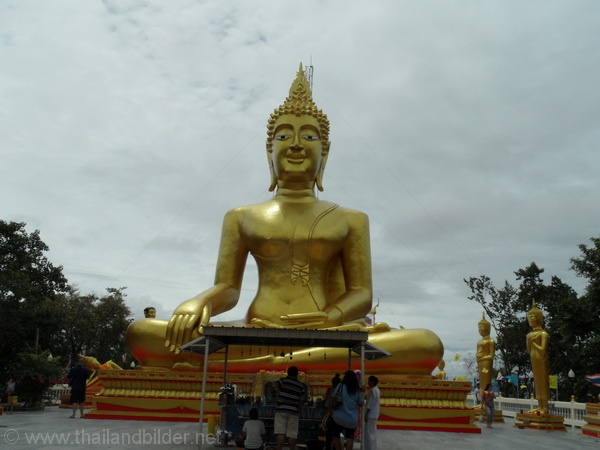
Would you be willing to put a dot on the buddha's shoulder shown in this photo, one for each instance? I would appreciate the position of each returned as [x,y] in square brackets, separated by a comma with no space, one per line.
[321,207]
[248,211]
[352,213]
[352,217]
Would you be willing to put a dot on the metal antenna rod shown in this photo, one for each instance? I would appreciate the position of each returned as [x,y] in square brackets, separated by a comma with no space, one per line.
[308,73]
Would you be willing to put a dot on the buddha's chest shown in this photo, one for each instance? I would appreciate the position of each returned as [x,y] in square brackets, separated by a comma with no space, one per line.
[295,234]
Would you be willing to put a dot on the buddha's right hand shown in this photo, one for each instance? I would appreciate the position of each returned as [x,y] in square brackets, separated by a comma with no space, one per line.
[188,318]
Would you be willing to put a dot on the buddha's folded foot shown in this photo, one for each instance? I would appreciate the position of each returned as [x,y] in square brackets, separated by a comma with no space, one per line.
[380,327]
[184,367]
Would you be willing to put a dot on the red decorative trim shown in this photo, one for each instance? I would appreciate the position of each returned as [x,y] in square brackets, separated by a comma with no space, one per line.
[475,430]
[108,407]
[147,418]
[546,428]
[459,420]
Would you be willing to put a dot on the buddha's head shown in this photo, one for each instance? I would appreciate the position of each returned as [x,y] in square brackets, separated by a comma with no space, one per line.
[535,316]
[484,326]
[298,139]
[442,364]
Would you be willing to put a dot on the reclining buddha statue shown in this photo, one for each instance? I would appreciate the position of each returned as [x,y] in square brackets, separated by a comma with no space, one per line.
[314,267]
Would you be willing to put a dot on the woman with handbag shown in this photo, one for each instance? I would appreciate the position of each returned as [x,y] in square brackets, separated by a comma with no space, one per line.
[345,416]
[329,403]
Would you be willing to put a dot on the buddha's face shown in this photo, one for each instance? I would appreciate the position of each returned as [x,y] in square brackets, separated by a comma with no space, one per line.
[297,150]
[533,320]
[483,330]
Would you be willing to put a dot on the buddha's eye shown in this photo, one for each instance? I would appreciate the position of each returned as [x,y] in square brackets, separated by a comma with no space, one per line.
[310,137]
[281,137]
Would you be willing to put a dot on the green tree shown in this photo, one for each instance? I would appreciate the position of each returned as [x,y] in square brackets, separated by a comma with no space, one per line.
[571,321]
[112,317]
[42,312]
[75,324]
[502,307]
[583,325]
[91,325]
[29,284]
[33,373]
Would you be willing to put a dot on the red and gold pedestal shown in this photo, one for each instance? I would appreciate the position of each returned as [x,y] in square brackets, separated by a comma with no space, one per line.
[157,395]
[169,395]
[426,405]
[546,422]
[408,404]
[417,404]
[592,427]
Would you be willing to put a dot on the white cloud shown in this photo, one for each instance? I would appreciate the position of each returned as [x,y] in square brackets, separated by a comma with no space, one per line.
[466,131]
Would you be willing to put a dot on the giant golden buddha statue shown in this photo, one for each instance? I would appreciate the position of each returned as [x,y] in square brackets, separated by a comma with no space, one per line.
[314,267]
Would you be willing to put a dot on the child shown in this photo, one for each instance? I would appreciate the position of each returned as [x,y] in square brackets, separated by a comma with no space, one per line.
[254,431]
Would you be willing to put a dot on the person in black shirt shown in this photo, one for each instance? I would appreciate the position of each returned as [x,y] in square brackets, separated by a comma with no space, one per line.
[77,379]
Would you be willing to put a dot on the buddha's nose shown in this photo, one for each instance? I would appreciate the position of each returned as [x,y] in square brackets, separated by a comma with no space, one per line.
[296,144]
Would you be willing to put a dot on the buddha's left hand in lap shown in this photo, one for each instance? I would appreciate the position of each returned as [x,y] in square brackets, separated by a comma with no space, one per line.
[319,319]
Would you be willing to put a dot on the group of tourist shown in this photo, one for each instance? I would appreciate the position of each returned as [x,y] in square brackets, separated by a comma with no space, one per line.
[344,402]
[344,399]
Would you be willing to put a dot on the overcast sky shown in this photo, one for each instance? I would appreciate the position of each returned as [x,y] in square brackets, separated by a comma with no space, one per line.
[467,131]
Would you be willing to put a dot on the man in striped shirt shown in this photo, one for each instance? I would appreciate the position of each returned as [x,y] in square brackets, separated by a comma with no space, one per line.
[291,395]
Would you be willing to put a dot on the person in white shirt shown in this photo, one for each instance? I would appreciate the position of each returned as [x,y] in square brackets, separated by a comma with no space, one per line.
[372,414]
[254,431]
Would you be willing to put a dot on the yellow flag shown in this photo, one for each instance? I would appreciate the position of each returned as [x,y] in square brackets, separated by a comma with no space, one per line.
[457,357]
[553,381]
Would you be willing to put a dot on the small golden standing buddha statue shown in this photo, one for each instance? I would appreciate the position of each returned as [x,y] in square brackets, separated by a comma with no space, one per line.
[537,347]
[485,354]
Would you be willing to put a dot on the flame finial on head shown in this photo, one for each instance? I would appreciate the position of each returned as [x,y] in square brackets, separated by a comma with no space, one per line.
[484,321]
[300,90]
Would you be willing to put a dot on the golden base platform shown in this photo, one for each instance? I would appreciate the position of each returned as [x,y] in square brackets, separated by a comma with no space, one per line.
[592,428]
[157,395]
[426,405]
[547,422]
[410,404]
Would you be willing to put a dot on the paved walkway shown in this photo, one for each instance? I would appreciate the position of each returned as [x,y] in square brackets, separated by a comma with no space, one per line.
[52,428]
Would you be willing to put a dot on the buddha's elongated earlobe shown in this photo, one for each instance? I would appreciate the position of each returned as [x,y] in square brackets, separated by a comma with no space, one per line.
[319,179]
[272,170]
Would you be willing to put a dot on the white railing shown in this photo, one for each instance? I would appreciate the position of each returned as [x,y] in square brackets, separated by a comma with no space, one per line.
[53,394]
[573,412]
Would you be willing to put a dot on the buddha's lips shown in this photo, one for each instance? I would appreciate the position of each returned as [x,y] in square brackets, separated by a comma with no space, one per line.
[295,159]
